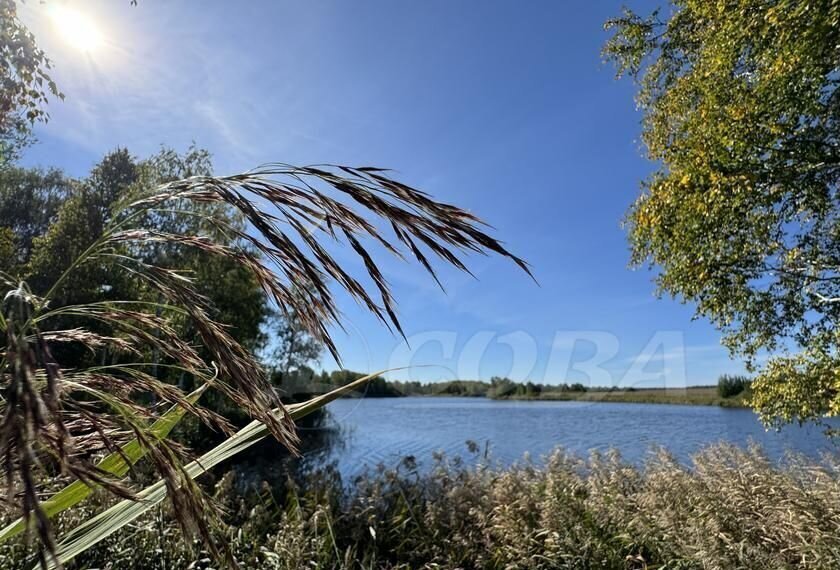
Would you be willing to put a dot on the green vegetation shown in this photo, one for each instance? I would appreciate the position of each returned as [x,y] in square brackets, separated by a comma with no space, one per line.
[24,76]
[152,309]
[306,381]
[693,396]
[729,385]
[736,390]
[736,395]
[732,508]
[741,117]
[469,388]
[505,389]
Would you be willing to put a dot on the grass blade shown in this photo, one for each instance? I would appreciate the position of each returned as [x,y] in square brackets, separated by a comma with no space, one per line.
[125,512]
[115,464]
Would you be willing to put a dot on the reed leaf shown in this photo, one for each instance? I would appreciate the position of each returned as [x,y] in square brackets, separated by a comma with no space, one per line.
[117,464]
[126,511]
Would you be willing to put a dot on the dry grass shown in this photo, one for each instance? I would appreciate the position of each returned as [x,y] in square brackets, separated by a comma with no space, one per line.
[732,509]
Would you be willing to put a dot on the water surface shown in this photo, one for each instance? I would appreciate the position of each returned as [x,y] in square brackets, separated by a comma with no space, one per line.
[384,430]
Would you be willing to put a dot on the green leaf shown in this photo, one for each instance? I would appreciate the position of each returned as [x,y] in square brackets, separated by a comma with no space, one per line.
[115,464]
[125,512]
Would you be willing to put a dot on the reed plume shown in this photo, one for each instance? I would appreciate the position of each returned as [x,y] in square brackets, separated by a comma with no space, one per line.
[61,420]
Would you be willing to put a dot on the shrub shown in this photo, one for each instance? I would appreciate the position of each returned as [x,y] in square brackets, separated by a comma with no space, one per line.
[732,385]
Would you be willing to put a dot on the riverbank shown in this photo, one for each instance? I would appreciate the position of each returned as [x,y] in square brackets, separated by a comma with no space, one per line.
[693,396]
[569,512]
[506,389]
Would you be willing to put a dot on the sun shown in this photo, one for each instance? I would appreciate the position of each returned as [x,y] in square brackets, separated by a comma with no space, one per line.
[75,28]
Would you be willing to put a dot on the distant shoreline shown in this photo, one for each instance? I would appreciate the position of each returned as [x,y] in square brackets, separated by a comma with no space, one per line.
[697,396]
[692,396]
[497,388]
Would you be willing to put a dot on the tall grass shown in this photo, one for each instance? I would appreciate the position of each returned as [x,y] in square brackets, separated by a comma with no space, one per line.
[732,508]
[59,419]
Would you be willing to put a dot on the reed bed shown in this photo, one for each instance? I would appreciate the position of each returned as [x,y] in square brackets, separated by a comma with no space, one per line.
[731,508]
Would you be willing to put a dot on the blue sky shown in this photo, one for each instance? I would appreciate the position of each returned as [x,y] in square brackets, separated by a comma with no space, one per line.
[504,108]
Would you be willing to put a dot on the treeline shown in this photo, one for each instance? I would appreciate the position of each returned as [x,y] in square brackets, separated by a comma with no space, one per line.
[305,380]
[498,388]
[733,385]
[505,388]
[468,388]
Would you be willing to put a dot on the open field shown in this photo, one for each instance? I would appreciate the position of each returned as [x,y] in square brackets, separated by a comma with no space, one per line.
[695,395]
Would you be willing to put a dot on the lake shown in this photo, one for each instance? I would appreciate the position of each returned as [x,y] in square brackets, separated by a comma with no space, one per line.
[383,430]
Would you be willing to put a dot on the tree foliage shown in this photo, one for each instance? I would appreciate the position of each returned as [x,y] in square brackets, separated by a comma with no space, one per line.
[48,220]
[29,203]
[24,81]
[741,115]
[79,221]
[731,385]
[291,346]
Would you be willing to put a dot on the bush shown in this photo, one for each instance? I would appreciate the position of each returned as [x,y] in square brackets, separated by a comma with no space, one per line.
[732,385]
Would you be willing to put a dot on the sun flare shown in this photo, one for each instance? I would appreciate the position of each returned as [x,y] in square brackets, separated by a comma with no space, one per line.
[76,28]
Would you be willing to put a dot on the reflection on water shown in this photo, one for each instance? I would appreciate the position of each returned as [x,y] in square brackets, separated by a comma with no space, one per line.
[384,430]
